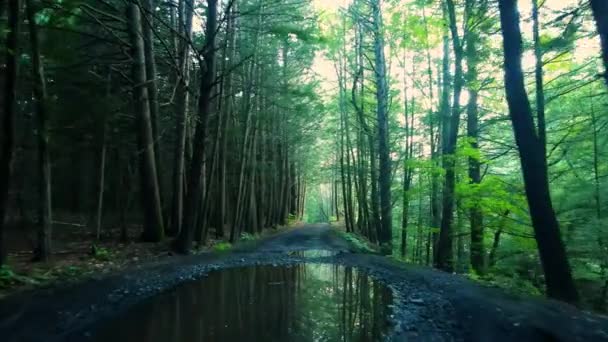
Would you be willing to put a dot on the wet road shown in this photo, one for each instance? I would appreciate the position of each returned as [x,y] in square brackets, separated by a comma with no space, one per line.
[305,284]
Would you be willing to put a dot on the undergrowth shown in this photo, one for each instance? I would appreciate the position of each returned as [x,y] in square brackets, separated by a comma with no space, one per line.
[357,241]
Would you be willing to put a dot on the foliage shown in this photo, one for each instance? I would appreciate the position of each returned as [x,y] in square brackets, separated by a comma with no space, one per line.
[514,284]
[248,237]
[359,242]
[222,246]
[576,100]
[102,254]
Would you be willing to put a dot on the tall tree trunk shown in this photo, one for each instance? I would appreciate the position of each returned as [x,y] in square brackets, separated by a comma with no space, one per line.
[150,193]
[444,247]
[102,163]
[540,86]
[600,13]
[560,284]
[148,7]
[407,171]
[181,110]
[101,182]
[434,135]
[43,249]
[192,205]
[223,155]
[384,178]
[475,212]
[8,105]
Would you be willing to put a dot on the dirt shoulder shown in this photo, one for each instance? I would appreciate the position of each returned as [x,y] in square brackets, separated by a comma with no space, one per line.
[428,305]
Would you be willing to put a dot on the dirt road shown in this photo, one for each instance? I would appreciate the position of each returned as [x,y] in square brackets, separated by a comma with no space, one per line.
[427,305]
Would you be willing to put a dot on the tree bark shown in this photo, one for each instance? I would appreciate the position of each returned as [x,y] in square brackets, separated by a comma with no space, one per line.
[539,75]
[600,13]
[444,247]
[9,108]
[559,282]
[43,249]
[181,111]
[192,205]
[384,178]
[148,7]
[101,183]
[475,212]
[150,193]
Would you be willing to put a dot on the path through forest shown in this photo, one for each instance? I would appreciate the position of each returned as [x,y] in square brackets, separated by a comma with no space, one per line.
[258,285]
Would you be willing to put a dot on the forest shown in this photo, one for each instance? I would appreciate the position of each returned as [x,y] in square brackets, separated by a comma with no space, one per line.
[465,135]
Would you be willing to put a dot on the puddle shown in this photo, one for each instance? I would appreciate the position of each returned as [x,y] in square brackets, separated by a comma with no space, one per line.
[305,302]
[314,253]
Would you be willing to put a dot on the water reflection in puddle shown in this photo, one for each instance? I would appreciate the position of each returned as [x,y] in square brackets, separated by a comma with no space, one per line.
[300,303]
[314,253]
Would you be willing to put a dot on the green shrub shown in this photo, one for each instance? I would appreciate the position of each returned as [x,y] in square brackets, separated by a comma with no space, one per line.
[101,253]
[247,237]
[222,247]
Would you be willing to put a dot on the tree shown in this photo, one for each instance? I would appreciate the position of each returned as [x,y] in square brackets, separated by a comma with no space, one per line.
[476,14]
[534,168]
[150,193]
[45,219]
[444,246]
[184,27]
[9,110]
[600,13]
[384,177]
[194,196]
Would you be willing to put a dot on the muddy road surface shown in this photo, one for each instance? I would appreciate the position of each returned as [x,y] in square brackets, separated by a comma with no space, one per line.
[305,284]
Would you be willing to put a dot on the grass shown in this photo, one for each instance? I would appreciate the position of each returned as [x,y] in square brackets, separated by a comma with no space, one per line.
[222,246]
[357,241]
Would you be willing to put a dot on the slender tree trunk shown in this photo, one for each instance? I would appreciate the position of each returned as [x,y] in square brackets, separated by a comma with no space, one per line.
[475,212]
[560,284]
[444,247]
[407,172]
[181,109]
[148,7]
[8,105]
[102,164]
[540,86]
[101,183]
[223,155]
[384,178]
[598,206]
[600,13]
[434,136]
[43,249]
[150,193]
[496,241]
[186,235]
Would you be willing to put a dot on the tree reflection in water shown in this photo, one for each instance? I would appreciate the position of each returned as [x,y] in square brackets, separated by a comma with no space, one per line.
[308,302]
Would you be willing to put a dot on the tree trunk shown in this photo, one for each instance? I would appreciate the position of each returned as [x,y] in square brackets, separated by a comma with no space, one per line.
[560,284]
[8,105]
[148,7]
[186,235]
[444,247]
[150,194]
[101,183]
[384,178]
[407,171]
[43,249]
[540,86]
[475,212]
[496,241]
[600,13]
[181,110]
